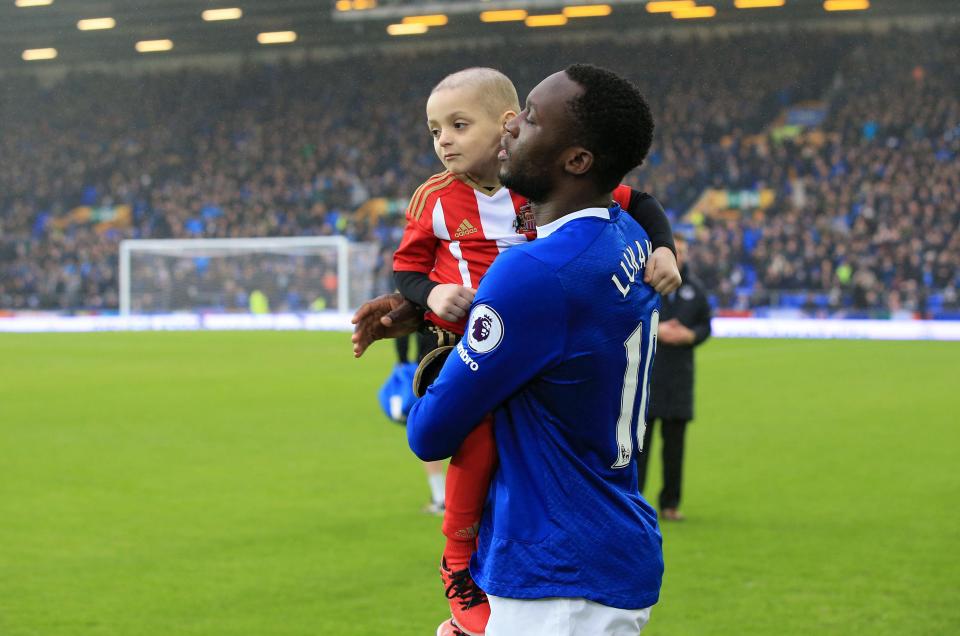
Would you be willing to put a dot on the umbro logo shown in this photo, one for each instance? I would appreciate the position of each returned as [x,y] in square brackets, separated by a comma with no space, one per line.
[466,227]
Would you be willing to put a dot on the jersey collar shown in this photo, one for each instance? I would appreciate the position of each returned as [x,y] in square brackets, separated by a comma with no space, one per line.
[543,231]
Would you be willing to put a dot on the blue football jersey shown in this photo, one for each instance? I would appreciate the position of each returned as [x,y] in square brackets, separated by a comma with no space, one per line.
[559,346]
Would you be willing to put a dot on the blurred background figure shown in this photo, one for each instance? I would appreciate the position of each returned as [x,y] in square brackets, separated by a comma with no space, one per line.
[396,400]
[684,324]
[436,477]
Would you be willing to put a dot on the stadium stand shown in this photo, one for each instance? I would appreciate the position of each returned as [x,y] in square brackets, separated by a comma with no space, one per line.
[818,173]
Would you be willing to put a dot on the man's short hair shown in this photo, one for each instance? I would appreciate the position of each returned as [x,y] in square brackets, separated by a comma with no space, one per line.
[497,91]
[612,120]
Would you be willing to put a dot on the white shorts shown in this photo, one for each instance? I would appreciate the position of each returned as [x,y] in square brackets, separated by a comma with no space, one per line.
[561,617]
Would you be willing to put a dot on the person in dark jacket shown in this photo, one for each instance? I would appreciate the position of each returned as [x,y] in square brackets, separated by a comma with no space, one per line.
[684,324]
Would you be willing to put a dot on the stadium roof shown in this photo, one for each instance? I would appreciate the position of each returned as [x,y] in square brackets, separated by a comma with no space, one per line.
[52,28]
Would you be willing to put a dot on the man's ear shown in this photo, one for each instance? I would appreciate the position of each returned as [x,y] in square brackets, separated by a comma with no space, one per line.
[507,116]
[577,160]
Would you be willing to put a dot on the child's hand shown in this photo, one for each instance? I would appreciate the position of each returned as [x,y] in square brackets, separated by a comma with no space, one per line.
[450,302]
[662,273]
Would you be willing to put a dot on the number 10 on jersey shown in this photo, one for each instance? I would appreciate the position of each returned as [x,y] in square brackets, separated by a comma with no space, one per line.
[632,381]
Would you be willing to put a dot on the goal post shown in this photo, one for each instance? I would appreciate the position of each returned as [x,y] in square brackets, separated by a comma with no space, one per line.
[258,275]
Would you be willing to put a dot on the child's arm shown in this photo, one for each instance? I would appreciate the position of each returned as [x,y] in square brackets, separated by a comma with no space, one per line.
[648,212]
[415,257]
[662,272]
[448,301]
[412,263]
[414,286]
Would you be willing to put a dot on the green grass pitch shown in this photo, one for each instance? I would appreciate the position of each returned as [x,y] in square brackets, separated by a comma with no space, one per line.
[223,484]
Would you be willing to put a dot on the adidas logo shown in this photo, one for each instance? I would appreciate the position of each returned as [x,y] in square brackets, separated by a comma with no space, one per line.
[466,227]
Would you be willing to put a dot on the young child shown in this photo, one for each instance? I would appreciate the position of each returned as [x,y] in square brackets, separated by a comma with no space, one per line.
[458,221]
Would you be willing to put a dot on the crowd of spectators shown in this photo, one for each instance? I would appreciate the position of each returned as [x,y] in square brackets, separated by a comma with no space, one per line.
[864,218]
[867,212]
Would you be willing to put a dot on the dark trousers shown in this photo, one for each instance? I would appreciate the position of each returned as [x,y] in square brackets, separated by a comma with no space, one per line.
[424,346]
[672,433]
[403,348]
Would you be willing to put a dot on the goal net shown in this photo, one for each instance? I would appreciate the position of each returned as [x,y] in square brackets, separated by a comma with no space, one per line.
[255,275]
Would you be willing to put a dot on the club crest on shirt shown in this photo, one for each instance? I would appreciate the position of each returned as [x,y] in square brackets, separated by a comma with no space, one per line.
[526,222]
[484,329]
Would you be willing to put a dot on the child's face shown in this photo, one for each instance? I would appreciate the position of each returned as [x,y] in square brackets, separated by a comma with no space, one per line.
[466,136]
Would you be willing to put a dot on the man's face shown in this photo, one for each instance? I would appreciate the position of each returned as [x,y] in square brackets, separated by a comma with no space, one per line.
[530,154]
[466,135]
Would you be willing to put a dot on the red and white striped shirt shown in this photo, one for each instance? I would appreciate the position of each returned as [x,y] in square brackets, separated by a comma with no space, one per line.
[454,232]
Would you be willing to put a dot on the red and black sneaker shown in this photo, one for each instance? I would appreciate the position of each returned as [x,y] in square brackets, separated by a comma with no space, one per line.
[468,603]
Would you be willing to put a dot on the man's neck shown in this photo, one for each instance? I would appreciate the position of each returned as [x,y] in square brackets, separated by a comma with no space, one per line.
[561,204]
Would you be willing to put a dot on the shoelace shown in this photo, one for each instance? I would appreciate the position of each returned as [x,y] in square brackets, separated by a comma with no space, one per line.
[463,588]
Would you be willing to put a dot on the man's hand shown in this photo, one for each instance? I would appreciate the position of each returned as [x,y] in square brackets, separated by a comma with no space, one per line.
[451,302]
[672,332]
[387,316]
[661,272]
